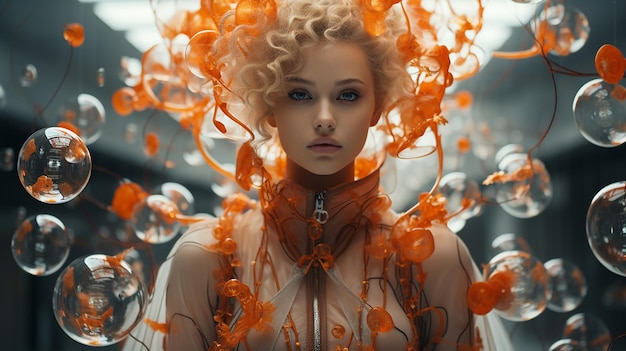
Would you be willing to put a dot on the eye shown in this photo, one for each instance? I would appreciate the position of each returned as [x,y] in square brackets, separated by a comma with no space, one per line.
[348,96]
[298,95]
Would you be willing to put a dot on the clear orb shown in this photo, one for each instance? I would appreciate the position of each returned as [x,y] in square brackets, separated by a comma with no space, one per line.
[40,245]
[527,290]
[54,165]
[463,198]
[509,242]
[155,219]
[566,345]
[589,331]
[600,116]
[99,299]
[529,191]
[569,286]
[180,195]
[606,227]
[87,113]
[570,26]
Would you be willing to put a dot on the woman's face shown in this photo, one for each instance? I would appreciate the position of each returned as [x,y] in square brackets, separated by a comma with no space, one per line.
[323,119]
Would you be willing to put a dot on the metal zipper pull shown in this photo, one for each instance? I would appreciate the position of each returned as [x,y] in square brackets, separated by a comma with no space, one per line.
[320,214]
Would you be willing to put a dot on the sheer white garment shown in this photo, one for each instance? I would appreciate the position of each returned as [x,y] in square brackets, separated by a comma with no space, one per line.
[184,288]
[269,243]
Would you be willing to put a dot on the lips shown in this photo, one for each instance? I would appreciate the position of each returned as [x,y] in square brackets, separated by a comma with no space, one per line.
[324,145]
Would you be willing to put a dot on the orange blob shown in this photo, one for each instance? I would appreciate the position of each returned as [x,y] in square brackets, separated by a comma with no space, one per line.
[151,144]
[503,281]
[464,99]
[610,64]
[379,320]
[123,101]
[74,34]
[416,245]
[126,196]
[43,185]
[482,297]
[69,126]
[463,144]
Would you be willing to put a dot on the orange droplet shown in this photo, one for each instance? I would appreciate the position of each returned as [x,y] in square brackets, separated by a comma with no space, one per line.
[464,99]
[463,144]
[123,101]
[126,196]
[481,297]
[151,144]
[610,64]
[379,320]
[74,34]
[416,245]
[338,331]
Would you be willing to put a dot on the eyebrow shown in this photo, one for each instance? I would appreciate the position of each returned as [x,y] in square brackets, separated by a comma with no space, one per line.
[311,83]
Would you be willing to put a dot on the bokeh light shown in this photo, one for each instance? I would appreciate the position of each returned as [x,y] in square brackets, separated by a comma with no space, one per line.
[87,114]
[569,286]
[589,331]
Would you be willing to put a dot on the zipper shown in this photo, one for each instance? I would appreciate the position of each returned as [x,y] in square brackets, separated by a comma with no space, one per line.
[322,217]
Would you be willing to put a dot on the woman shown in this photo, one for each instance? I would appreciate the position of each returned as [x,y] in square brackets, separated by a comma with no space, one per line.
[320,261]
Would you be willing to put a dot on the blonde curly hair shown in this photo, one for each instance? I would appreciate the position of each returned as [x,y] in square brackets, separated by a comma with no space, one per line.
[260,56]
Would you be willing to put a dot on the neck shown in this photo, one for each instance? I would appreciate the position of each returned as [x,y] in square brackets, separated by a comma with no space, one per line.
[312,181]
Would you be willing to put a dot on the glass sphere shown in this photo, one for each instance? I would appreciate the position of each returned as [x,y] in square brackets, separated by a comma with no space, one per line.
[87,114]
[180,195]
[7,159]
[606,227]
[99,299]
[600,116]
[463,198]
[155,219]
[509,242]
[54,165]
[40,245]
[566,345]
[529,191]
[527,290]
[569,287]
[589,331]
[28,76]
[570,26]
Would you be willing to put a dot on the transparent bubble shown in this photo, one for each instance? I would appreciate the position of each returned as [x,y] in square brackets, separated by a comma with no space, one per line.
[463,198]
[87,113]
[98,299]
[528,1]
[525,285]
[180,196]
[600,113]
[606,227]
[28,76]
[40,245]
[569,286]
[529,191]
[54,165]
[509,242]
[155,219]
[569,25]
[3,97]
[130,70]
[566,345]
[7,159]
[589,331]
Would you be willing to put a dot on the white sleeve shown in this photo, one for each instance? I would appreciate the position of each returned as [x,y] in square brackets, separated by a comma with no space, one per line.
[451,270]
[180,303]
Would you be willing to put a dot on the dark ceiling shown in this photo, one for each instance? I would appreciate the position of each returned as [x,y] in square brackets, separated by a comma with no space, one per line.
[514,97]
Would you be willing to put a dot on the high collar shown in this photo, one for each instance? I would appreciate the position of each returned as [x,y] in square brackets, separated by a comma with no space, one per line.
[289,213]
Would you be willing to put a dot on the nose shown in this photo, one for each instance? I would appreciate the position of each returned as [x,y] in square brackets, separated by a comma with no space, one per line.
[324,120]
